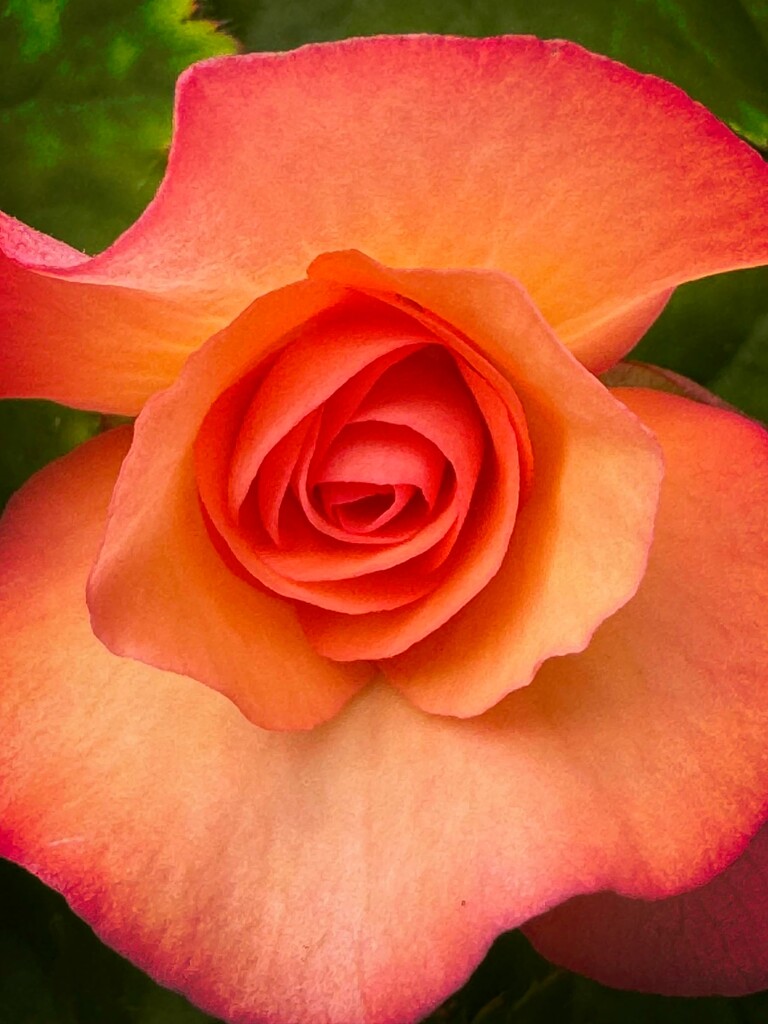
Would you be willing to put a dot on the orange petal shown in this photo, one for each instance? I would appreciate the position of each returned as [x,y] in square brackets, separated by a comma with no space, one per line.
[161,592]
[357,873]
[82,341]
[600,189]
[473,557]
[581,539]
[673,685]
[540,172]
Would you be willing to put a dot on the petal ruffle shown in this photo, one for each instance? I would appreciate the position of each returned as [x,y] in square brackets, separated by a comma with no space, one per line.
[680,669]
[161,592]
[599,188]
[322,878]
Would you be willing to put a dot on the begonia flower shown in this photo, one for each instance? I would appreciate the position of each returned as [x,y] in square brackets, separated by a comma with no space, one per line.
[390,625]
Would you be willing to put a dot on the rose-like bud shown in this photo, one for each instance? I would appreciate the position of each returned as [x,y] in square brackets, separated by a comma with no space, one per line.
[364,483]
[357,460]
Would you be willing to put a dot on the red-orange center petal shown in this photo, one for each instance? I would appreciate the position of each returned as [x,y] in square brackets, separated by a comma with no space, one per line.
[342,475]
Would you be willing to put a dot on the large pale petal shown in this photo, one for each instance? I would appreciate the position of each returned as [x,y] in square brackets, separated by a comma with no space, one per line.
[674,683]
[712,940]
[700,619]
[322,878]
[355,874]
[599,188]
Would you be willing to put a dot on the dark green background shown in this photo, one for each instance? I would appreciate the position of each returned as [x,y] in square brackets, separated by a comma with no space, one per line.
[85,99]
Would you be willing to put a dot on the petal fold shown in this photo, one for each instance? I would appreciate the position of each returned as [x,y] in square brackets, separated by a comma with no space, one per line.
[160,590]
[581,539]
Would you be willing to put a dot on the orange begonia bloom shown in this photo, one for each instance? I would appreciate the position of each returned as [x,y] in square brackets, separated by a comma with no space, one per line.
[381,632]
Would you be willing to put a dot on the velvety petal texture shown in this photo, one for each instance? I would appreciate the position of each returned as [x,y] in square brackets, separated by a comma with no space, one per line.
[598,234]
[580,542]
[258,871]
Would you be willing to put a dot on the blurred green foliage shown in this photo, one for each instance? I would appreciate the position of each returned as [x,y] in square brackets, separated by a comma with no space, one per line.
[85,114]
[86,88]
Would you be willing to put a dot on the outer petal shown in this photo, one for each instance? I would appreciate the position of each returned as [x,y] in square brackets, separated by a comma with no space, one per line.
[323,878]
[160,591]
[91,343]
[714,939]
[355,874]
[597,187]
[710,941]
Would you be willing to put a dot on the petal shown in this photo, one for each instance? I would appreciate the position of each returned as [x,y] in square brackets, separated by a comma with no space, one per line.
[475,556]
[325,878]
[580,542]
[384,453]
[695,639]
[83,342]
[686,658]
[710,941]
[600,189]
[358,872]
[161,592]
[541,163]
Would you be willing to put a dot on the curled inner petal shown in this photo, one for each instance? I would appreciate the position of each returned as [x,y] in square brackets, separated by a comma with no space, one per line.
[349,489]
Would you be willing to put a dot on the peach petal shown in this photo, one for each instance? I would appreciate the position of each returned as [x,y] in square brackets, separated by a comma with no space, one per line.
[316,364]
[301,568]
[384,453]
[273,479]
[255,558]
[310,559]
[474,558]
[598,231]
[581,538]
[365,508]
[160,590]
[429,393]
[599,188]
[60,336]
[181,832]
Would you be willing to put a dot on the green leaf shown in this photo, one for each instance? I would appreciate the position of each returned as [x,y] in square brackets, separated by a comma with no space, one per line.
[744,380]
[33,433]
[85,108]
[715,332]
